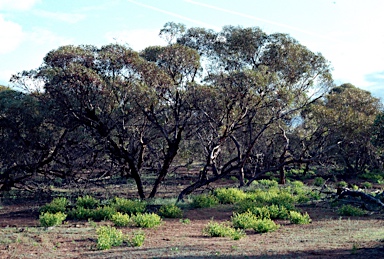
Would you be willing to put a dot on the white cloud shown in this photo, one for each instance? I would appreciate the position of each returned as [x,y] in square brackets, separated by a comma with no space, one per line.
[136,39]
[12,33]
[43,38]
[17,4]
[65,17]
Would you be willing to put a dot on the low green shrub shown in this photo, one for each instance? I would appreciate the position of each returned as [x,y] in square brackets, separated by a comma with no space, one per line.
[265,225]
[214,229]
[87,202]
[170,211]
[121,219]
[366,185]
[137,239]
[244,220]
[342,184]
[146,220]
[48,219]
[283,198]
[185,221]
[278,212]
[372,176]
[103,213]
[204,201]
[318,181]
[128,206]
[298,218]
[349,210]
[108,236]
[229,195]
[261,212]
[56,205]
[266,183]
[80,213]
[272,196]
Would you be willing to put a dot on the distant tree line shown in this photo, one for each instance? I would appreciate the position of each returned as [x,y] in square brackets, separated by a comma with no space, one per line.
[238,102]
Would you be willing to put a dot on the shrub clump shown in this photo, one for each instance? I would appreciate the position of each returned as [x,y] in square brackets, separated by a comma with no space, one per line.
[214,229]
[108,236]
[204,201]
[80,213]
[48,219]
[298,218]
[318,181]
[265,225]
[128,206]
[146,220]
[103,213]
[87,202]
[56,205]
[136,239]
[121,219]
[170,211]
[349,210]
[278,212]
[367,185]
[265,183]
[244,220]
[342,184]
[229,195]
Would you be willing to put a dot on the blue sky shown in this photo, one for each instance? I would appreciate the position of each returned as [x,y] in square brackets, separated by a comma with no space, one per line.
[348,33]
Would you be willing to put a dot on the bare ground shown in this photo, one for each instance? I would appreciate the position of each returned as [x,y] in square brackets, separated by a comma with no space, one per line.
[328,236]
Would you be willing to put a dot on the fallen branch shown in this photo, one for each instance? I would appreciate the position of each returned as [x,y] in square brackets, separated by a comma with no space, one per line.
[343,192]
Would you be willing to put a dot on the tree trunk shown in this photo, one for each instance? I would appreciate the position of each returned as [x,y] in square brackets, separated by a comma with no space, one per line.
[241,177]
[173,147]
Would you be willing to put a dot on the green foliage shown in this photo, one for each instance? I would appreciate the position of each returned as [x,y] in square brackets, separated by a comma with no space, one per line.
[48,219]
[318,181]
[278,212]
[146,220]
[185,221]
[372,176]
[265,183]
[80,213]
[204,201]
[129,206]
[298,218]
[367,185]
[229,195]
[121,219]
[103,213]
[107,237]
[244,220]
[349,210]
[261,212]
[283,198]
[56,205]
[265,225]
[342,184]
[87,202]
[214,229]
[272,196]
[170,211]
[137,239]
[100,213]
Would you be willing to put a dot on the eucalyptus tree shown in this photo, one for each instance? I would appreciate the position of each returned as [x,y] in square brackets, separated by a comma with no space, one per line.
[29,140]
[133,109]
[345,119]
[264,81]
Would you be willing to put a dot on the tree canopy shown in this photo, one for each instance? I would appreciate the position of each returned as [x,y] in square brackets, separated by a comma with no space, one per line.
[236,102]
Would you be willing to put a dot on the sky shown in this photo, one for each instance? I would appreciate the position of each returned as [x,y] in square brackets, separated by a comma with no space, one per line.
[349,33]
